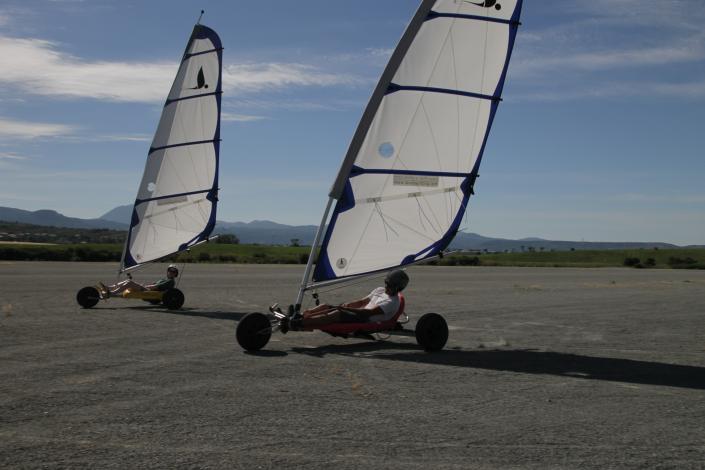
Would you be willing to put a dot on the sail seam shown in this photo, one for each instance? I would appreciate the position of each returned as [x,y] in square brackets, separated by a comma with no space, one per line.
[393,88]
[195,142]
[168,102]
[434,14]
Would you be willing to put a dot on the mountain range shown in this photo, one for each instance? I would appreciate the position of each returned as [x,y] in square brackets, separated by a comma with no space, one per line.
[271,233]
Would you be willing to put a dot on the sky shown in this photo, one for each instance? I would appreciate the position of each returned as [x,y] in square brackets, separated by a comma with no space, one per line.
[600,135]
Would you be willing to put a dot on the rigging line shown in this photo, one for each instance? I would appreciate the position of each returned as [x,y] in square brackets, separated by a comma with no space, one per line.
[433,137]
[416,111]
[193,163]
[180,123]
[411,229]
[384,225]
[476,153]
[457,102]
[421,211]
[401,146]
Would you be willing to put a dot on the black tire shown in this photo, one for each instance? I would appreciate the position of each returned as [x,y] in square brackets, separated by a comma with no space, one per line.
[173,299]
[88,297]
[253,331]
[431,332]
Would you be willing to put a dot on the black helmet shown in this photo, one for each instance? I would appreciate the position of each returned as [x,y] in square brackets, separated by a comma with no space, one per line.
[397,280]
[172,267]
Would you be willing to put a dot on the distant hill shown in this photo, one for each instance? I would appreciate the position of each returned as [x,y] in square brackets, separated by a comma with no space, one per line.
[473,241]
[121,215]
[266,232]
[54,219]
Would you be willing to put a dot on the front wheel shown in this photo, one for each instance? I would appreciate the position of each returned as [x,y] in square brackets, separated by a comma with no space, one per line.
[88,297]
[431,332]
[253,331]
[173,299]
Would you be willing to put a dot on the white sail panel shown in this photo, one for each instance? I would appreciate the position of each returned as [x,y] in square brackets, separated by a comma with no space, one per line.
[177,198]
[410,170]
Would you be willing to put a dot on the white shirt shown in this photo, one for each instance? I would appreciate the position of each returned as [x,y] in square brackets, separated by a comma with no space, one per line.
[388,304]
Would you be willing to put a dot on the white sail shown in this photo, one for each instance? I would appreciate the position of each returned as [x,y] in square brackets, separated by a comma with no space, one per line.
[177,198]
[405,183]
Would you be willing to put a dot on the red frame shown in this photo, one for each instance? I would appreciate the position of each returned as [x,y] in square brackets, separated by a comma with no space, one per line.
[367,327]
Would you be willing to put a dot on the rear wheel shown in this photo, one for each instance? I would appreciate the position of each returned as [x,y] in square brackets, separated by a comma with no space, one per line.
[88,297]
[173,299]
[431,332]
[253,331]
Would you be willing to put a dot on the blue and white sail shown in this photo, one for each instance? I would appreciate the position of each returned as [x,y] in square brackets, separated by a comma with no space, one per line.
[405,182]
[177,198]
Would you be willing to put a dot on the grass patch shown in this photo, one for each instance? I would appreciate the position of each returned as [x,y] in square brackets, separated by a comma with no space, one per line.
[266,254]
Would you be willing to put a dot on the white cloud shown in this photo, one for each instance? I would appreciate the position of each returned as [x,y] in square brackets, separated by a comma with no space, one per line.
[11,156]
[233,117]
[610,59]
[38,67]
[694,90]
[12,129]
[253,77]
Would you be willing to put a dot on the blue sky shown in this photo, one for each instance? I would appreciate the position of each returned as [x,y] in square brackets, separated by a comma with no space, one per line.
[601,135]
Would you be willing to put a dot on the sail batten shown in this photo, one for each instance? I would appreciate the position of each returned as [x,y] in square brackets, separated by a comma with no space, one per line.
[176,202]
[405,183]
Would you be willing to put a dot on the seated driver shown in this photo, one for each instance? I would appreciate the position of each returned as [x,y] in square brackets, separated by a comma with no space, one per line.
[380,305]
[163,284]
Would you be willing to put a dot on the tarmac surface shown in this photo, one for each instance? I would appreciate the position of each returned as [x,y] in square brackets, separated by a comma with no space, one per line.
[544,368]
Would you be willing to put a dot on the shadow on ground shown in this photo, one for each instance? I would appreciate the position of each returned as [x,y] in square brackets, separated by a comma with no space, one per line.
[530,362]
[191,312]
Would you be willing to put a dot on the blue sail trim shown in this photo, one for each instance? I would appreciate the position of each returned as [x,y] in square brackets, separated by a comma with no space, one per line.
[168,102]
[188,56]
[182,144]
[434,14]
[356,170]
[324,270]
[199,32]
[393,88]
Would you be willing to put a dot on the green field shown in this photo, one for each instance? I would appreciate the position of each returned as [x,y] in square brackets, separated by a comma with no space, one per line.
[641,258]
[206,253]
[265,254]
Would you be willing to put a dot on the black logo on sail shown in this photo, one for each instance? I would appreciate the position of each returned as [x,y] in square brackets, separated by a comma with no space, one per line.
[486,4]
[200,81]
